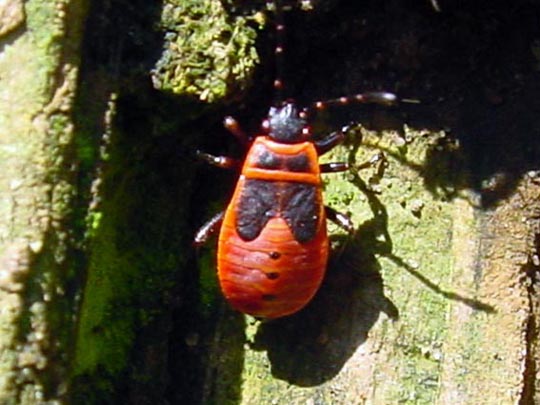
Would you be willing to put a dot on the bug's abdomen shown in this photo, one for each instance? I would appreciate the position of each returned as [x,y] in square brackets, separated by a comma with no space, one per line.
[273,275]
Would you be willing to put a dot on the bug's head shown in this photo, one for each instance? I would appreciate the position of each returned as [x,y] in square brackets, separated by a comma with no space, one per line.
[286,124]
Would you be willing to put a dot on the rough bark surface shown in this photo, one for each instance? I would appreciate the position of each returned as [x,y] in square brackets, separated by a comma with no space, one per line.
[433,300]
[38,240]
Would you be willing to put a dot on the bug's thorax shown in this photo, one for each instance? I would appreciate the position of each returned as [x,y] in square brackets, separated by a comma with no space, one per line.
[287,162]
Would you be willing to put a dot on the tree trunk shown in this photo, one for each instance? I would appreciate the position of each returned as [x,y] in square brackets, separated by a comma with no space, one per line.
[434,299]
[39,238]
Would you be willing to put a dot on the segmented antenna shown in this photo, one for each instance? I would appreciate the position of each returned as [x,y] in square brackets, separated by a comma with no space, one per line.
[376,97]
[370,97]
[279,23]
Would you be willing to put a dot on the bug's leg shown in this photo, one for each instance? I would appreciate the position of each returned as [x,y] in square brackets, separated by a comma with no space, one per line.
[224,162]
[208,229]
[341,220]
[330,141]
[334,167]
[234,128]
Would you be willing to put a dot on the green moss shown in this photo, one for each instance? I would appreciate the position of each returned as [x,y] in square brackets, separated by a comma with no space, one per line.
[136,231]
[106,330]
[410,220]
[207,54]
[130,265]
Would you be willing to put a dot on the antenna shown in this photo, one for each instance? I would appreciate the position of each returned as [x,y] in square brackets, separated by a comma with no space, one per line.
[279,23]
[377,97]
[370,97]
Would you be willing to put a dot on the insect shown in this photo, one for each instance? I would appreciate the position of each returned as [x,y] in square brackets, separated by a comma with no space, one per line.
[273,243]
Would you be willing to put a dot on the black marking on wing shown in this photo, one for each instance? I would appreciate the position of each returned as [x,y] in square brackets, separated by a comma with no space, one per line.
[301,209]
[258,203]
[271,161]
[297,203]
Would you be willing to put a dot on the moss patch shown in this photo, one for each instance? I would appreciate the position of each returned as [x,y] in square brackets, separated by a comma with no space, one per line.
[207,53]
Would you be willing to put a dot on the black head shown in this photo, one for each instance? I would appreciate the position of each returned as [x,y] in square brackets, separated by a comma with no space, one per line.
[286,124]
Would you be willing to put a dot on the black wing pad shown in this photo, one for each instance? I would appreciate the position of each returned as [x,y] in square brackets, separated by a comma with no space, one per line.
[300,209]
[297,203]
[258,203]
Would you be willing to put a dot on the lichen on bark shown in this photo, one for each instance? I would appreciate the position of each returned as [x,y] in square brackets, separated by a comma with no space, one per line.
[37,199]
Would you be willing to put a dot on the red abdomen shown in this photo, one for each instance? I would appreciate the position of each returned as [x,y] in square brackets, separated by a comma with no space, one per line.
[273,245]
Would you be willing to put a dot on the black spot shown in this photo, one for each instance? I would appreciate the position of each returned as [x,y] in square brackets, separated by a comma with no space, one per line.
[272,275]
[269,297]
[274,255]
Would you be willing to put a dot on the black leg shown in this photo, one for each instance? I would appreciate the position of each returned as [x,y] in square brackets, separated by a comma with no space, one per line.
[334,167]
[208,229]
[330,141]
[220,161]
[341,220]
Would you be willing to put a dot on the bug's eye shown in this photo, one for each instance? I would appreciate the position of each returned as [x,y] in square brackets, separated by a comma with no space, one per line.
[265,125]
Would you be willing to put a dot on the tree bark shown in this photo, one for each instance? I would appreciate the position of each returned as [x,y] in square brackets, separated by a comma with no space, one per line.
[39,70]
[434,299]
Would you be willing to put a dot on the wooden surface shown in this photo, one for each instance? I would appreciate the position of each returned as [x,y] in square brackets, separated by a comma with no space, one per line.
[434,300]
[39,61]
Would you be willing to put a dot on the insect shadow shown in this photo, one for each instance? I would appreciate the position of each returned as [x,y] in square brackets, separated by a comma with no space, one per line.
[382,242]
[311,346]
